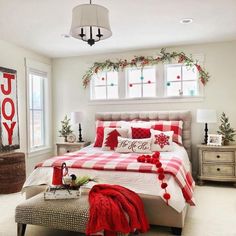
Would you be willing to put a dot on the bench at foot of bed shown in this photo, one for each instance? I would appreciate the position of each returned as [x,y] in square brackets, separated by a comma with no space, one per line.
[71,215]
[176,231]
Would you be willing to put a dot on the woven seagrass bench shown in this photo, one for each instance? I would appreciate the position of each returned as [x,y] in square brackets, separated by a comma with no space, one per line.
[68,214]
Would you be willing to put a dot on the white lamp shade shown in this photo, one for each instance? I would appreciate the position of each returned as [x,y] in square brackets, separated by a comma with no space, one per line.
[206,116]
[87,15]
[76,117]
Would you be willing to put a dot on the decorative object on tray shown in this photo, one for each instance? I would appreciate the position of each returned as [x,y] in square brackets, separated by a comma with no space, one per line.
[65,186]
[206,116]
[226,131]
[65,128]
[53,193]
[141,61]
[214,139]
[58,173]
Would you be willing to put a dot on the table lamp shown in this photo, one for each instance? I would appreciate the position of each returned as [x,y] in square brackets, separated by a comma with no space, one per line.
[76,118]
[206,116]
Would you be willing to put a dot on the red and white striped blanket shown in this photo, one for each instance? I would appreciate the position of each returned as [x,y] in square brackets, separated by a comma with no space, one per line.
[126,162]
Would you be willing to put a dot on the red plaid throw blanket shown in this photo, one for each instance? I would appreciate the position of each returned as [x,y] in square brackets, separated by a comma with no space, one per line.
[126,162]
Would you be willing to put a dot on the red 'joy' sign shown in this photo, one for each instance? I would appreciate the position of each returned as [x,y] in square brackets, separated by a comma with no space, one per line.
[9,118]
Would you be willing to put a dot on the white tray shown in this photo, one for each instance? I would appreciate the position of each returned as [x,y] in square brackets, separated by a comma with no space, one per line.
[61,194]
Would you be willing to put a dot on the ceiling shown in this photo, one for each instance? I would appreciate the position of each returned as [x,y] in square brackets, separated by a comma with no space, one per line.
[136,24]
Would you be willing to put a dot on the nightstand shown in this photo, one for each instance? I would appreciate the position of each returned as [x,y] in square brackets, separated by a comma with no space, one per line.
[217,163]
[65,147]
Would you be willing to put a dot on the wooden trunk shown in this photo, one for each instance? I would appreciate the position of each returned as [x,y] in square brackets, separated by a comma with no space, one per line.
[12,172]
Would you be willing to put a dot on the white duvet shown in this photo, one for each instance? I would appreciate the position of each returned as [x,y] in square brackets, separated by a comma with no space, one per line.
[145,183]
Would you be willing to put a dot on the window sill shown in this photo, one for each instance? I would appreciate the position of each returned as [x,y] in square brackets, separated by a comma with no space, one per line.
[182,99]
[39,151]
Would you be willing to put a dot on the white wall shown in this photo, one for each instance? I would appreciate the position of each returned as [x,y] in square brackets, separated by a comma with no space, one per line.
[12,56]
[69,94]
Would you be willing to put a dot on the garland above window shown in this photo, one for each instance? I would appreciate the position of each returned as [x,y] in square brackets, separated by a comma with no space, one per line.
[142,61]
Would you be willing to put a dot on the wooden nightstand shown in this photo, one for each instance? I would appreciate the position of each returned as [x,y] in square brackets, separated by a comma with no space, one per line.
[63,148]
[217,163]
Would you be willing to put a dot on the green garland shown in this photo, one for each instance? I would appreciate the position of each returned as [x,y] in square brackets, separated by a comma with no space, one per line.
[142,61]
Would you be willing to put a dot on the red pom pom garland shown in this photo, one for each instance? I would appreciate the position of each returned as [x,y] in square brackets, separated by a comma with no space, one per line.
[164,185]
[155,160]
[166,196]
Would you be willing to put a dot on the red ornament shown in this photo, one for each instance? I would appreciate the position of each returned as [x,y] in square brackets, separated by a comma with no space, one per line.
[199,68]
[154,161]
[158,164]
[164,185]
[166,196]
[156,155]
[160,170]
[161,176]
[178,76]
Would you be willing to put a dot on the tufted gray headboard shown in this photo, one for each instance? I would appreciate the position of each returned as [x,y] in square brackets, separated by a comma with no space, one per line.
[185,116]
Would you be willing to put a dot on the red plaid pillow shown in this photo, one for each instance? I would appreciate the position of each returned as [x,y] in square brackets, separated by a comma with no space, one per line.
[140,133]
[173,125]
[100,125]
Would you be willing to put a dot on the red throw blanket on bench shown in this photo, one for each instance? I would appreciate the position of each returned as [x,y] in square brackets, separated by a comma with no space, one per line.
[113,209]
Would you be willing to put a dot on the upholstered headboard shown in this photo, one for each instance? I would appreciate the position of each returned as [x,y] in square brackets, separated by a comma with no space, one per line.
[185,116]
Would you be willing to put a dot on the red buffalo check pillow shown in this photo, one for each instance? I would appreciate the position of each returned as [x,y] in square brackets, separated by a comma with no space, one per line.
[100,125]
[140,133]
[111,135]
[175,126]
[162,141]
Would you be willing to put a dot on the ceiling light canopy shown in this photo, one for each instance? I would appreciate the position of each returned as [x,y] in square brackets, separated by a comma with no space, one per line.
[90,23]
[186,21]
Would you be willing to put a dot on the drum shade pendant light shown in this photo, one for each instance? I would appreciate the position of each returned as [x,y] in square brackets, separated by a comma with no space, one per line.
[90,23]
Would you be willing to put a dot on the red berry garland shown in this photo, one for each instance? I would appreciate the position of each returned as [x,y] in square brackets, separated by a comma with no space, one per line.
[155,159]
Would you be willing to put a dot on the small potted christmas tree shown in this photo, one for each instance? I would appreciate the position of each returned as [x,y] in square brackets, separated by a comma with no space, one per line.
[65,128]
[226,131]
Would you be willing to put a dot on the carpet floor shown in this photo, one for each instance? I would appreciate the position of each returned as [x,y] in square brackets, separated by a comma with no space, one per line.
[214,215]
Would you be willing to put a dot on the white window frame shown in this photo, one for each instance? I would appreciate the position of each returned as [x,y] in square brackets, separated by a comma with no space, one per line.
[92,88]
[127,83]
[200,88]
[40,69]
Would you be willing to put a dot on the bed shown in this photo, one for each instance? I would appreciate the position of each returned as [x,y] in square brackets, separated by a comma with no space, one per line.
[158,212]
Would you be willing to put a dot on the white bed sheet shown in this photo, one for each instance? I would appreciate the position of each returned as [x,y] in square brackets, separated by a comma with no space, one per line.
[144,183]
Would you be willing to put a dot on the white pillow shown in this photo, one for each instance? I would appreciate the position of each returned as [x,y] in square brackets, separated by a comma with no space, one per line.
[111,135]
[162,141]
[134,145]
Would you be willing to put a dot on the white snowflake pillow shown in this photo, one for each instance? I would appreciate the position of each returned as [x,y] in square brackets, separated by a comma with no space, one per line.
[111,135]
[162,141]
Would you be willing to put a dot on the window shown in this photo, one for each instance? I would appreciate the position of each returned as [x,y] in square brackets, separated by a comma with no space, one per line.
[171,81]
[105,85]
[141,82]
[181,80]
[38,109]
